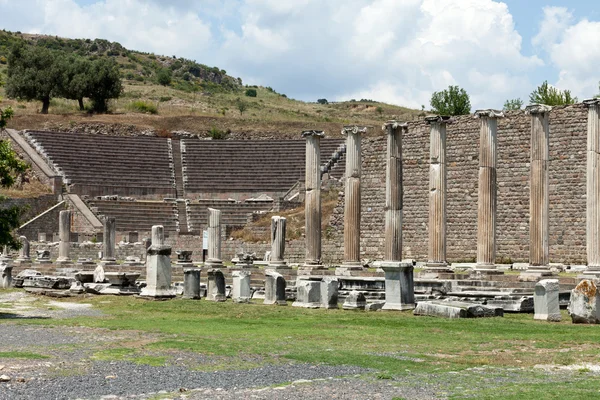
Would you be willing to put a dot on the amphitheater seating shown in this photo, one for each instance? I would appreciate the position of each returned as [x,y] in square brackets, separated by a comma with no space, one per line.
[232,213]
[140,216]
[98,164]
[232,165]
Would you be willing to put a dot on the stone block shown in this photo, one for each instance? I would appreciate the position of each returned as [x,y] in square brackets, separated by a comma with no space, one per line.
[545,300]
[274,288]
[241,292]
[585,303]
[355,301]
[308,294]
[329,293]
[6,271]
[216,285]
[399,286]
[456,309]
[191,283]
[376,306]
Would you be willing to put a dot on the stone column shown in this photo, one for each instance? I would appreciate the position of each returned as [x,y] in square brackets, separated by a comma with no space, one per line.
[486,200]
[352,197]
[538,201]
[437,195]
[312,202]
[64,233]
[399,286]
[158,267]
[593,187]
[108,241]
[214,239]
[191,283]
[24,257]
[278,225]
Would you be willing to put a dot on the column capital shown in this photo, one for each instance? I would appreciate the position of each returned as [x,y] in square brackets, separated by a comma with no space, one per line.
[440,119]
[348,129]
[592,102]
[313,132]
[537,109]
[489,113]
[394,125]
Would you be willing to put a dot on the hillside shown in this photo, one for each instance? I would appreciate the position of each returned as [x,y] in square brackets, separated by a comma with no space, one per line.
[199,98]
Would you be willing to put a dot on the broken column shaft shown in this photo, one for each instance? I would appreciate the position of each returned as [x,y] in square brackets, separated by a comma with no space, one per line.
[312,200]
[64,233]
[214,239]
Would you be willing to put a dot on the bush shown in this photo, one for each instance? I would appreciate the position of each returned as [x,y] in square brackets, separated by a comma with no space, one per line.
[3,60]
[164,98]
[251,92]
[217,134]
[322,101]
[143,107]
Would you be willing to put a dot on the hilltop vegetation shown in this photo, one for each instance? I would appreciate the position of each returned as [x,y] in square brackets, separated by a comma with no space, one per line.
[159,91]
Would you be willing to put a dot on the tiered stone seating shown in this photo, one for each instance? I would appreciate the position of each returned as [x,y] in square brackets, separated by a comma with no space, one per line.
[232,165]
[98,164]
[138,216]
[232,213]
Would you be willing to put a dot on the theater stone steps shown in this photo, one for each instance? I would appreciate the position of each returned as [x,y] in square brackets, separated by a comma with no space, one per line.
[232,213]
[140,216]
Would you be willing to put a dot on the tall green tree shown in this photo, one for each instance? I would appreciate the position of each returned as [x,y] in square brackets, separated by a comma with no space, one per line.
[104,83]
[33,74]
[164,76]
[551,96]
[513,104]
[452,101]
[75,83]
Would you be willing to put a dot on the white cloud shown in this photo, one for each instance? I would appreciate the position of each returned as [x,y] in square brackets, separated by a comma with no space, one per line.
[574,49]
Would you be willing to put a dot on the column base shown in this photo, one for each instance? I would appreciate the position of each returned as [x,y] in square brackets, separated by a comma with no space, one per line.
[590,273]
[484,270]
[534,273]
[279,265]
[214,264]
[63,262]
[154,293]
[433,269]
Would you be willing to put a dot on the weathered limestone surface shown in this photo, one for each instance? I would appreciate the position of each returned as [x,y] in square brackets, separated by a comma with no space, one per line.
[399,286]
[308,294]
[352,200]
[64,232]
[241,292]
[584,307]
[24,257]
[158,267]
[99,275]
[191,283]
[393,191]
[486,206]
[545,300]
[6,275]
[329,293]
[355,301]
[274,288]
[216,285]
[539,197]
[312,199]
[278,225]
[593,186]
[214,239]
[108,241]
[456,309]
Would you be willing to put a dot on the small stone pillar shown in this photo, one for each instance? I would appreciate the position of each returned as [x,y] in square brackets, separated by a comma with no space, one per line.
[312,200]
[486,200]
[214,239]
[24,257]
[191,283]
[240,291]
[355,301]
[158,267]
[6,272]
[215,289]
[539,199]
[308,294]
[274,288]
[545,300]
[108,241]
[352,197]
[584,307]
[64,232]
[593,187]
[278,225]
[437,196]
[329,293]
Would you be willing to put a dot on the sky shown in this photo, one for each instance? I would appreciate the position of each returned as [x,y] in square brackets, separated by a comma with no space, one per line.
[396,51]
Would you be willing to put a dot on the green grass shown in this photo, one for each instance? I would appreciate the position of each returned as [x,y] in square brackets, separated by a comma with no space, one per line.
[22,354]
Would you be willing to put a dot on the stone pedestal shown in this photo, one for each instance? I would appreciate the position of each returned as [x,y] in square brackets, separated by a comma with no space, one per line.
[6,275]
[539,199]
[329,293]
[64,232]
[241,292]
[487,198]
[216,285]
[593,188]
[545,300]
[312,199]
[191,283]
[214,239]
[158,267]
[355,301]
[278,225]
[436,262]
[184,259]
[584,307]
[274,288]
[24,257]
[108,241]
[308,294]
[352,198]
[43,257]
[399,286]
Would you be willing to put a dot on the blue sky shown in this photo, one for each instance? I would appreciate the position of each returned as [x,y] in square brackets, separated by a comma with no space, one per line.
[398,51]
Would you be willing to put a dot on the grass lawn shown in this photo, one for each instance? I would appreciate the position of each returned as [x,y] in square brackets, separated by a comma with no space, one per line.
[465,354]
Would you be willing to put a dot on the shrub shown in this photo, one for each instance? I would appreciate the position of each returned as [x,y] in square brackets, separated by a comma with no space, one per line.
[251,92]
[322,101]
[3,60]
[164,98]
[217,134]
[143,107]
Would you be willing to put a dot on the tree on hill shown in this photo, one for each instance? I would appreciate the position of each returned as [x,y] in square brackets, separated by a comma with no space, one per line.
[164,76]
[104,83]
[452,101]
[513,104]
[551,96]
[33,74]
[75,84]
